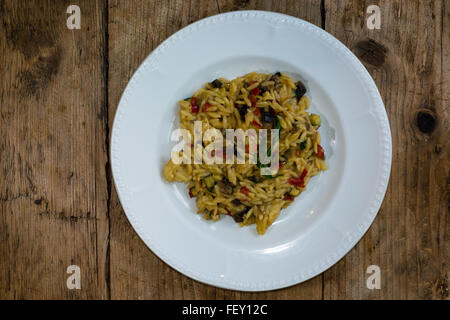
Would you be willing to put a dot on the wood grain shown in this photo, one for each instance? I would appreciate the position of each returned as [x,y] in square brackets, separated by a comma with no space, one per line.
[59,92]
[409,60]
[53,188]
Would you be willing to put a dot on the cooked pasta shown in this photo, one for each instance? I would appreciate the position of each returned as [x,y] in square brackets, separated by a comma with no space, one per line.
[253,101]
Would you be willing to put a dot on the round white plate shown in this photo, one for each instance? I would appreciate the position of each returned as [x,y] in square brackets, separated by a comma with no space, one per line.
[324,223]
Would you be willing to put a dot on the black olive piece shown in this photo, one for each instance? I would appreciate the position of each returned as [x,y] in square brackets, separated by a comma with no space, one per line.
[243,112]
[272,112]
[308,125]
[267,117]
[256,179]
[239,217]
[225,186]
[236,202]
[276,79]
[217,83]
[303,145]
[262,89]
[300,90]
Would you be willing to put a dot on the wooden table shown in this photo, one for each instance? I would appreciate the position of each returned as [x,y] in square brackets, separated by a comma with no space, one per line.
[60,89]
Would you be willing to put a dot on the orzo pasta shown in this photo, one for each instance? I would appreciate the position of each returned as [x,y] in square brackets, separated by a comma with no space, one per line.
[253,101]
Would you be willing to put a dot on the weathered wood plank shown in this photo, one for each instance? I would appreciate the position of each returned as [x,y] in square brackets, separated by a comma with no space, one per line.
[135,29]
[409,60]
[53,187]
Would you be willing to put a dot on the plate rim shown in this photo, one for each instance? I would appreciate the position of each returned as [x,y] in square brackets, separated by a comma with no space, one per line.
[378,109]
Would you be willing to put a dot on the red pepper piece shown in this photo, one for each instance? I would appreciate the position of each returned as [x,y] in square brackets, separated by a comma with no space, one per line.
[245,191]
[257,111]
[320,152]
[256,124]
[298,182]
[194,106]
[288,198]
[304,173]
[252,99]
[255,91]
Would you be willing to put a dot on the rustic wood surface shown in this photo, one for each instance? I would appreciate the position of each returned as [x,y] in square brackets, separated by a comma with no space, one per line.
[59,92]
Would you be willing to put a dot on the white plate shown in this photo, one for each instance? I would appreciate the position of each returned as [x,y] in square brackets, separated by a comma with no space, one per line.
[324,223]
